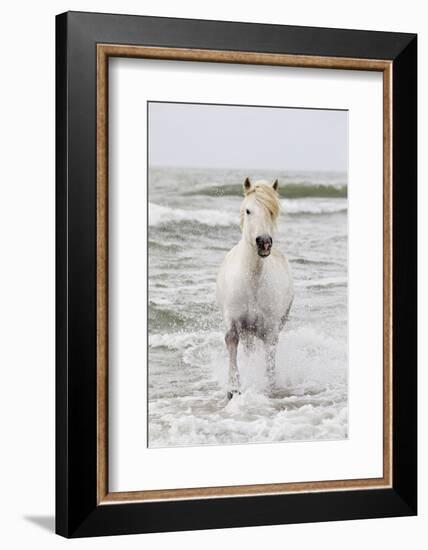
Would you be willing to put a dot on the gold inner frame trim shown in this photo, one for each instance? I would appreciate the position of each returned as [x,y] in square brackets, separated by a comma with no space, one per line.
[104,51]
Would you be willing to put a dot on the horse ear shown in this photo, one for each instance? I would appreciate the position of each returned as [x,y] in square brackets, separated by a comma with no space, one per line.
[275,185]
[247,185]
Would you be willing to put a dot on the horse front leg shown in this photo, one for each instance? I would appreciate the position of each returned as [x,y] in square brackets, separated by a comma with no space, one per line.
[232,341]
[270,345]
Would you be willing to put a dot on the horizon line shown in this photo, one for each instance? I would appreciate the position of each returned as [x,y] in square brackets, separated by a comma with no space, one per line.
[199,167]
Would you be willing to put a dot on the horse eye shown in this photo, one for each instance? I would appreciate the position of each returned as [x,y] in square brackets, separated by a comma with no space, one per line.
[247,211]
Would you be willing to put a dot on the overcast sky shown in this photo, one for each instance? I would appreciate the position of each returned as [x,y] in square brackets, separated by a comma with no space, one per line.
[220,136]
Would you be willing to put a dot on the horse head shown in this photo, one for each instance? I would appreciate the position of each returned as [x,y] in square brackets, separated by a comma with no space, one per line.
[258,215]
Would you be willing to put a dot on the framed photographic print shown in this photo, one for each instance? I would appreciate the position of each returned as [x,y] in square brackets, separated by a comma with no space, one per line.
[236,274]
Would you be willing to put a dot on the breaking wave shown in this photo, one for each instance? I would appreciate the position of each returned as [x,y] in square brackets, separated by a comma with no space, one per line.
[315,206]
[310,402]
[160,215]
[302,189]
[163,215]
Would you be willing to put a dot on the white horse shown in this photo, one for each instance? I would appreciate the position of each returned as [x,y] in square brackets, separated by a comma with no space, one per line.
[254,284]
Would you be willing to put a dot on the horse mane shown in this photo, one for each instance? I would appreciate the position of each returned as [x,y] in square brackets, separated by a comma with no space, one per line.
[267,196]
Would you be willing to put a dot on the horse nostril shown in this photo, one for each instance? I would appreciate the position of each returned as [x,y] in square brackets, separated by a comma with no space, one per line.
[264,241]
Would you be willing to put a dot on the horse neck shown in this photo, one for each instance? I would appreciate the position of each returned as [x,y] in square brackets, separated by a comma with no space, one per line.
[251,261]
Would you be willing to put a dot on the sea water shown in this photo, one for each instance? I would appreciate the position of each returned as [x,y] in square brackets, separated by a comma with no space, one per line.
[193,223]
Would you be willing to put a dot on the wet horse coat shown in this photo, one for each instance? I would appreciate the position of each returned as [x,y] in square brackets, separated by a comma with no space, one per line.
[254,283]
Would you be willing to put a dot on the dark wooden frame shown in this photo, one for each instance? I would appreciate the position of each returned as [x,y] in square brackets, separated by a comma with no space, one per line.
[84,41]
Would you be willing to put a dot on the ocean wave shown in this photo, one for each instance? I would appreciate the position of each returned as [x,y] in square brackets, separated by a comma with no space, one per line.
[301,189]
[328,282]
[315,206]
[308,359]
[248,418]
[163,215]
[310,402]
[310,261]
[161,317]
[183,340]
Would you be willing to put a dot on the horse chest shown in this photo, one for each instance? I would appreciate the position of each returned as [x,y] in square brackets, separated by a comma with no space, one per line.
[256,309]
[255,298]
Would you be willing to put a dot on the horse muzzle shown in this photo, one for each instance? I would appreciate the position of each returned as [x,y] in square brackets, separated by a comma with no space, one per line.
[264,245]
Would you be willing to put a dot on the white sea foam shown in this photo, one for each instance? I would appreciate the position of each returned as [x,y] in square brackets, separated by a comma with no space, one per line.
[313,206]
[163,215]
[250,419]
[182,340]
[309,403]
